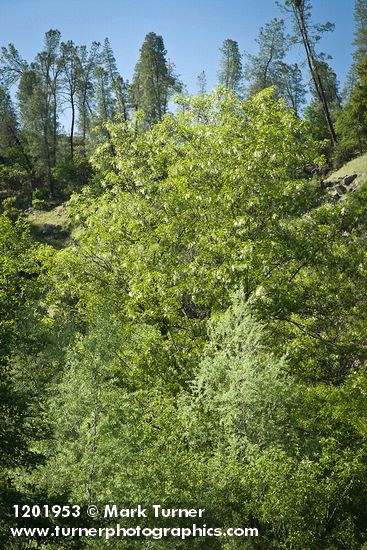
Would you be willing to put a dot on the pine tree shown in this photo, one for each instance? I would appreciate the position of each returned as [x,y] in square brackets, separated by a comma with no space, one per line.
[104,102]
[110,89]
[119,88]
[12,66]
[351,124]
[70,64]
[330,83]
[360,32]
[357,105]
[88,62]
[309,33]
[35,116]
[154,80]
[290,85]
[49,67]
[314,112]
[230,72]
[266,68]
[9,130]
[201,83]
[16,169]
[360,44]
[38,97]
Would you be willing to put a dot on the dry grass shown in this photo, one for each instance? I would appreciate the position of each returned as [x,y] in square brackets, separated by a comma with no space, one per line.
[50,226]
[355,166]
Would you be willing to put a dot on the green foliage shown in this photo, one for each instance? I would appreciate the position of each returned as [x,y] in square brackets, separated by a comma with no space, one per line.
[201,341]
[264,69]
[174,265]
[88,61]
[8,121]
[154,81]
[62,76]
[241,395]
[290,85]
[351,123]
[70,67]
[21,424]
[329,81]
[314,112]
[110,89]
[15,185]
[39,204]
[230,74]
[201,82]
[350,141]
[360,33]
[70,175]
[295,452]
[358,100]
[309,34]
[317,124]
[118,86]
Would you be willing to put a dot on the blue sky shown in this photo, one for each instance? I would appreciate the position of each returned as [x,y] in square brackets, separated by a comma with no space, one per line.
[193,30]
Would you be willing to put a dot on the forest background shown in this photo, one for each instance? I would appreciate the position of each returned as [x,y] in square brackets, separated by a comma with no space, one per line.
[183,286]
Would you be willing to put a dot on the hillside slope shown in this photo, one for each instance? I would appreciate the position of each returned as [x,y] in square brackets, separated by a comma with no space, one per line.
[50,226]
[356,166]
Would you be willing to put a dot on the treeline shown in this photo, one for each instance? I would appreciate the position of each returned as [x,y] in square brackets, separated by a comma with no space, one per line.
[38,159]
[200,340]
[336,117]
[39,162]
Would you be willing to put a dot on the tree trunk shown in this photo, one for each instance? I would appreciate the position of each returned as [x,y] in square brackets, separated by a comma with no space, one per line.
[72,127]
[313,69]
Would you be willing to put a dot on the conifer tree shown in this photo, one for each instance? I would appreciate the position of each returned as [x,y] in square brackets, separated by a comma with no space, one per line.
[70,64]
[48,64]
[88,62]
[8,121]
[308,34]
[230,72]
[154,81]
[314,112]
[353,120]
[267,67]
[110,88]
[12,69]
[117,84]
[360,44]
[201,83]
[329,81]
[36,120]
[12,66]
[290,85]
[38,97]
[360,32]
[104,104]
[351,124]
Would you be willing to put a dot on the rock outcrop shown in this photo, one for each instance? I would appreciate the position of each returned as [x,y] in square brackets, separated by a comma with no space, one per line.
[341,186]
